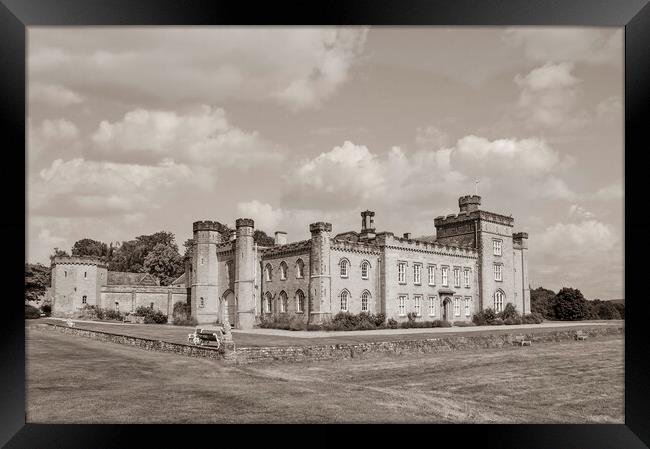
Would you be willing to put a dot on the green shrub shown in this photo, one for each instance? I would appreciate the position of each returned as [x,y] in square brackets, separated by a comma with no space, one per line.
[110,314]
[484,317]
[441,323]
[497,322]
[392,324]
[621,309]
[605,310]
[379,319]
[150,315]
[532,318]
[46,309]
[31,312]
[182,314]
[464,324]
[570,305]
[509,313]
[511,321]
[286,322]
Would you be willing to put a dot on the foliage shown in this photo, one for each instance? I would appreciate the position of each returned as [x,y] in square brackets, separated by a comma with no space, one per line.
[262,239]
[484,317]
[37,280]
[621,309]
[570,305]
[150,315]
[164,263]
[392,324]
[46,308]
[509,313]
[90,247]
[31,312]
[182,314]
[91,312]
[464,324]
[532,318]
[604,310]
[542,301]
[58,253]
[287,322]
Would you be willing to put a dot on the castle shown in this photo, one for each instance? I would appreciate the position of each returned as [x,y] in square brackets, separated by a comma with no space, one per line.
[475,262]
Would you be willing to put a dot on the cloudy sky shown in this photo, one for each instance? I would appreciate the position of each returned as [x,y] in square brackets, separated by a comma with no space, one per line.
[136,130]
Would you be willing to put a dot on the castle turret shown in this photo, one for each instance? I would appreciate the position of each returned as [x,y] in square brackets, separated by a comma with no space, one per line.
[320,304]
[76,282]
[204,278]
[469,203]
[245,274]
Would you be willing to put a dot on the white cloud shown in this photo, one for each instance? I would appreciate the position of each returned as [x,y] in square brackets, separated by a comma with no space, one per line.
[610,109]
[610,192]
[78,187]
[549,96]
[543,44]
[576,211]
[53,95]
[200,136]
[582,239]
[298,67]
[430,137]
[52,135]
[263,214]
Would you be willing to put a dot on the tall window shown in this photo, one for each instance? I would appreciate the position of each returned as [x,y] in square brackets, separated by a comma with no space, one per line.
[466,277]
[300,268]
[468,301]
[417,269]
[496,246]
[364,301]
[432,275]
[402,305]
[344,300]
[498,301]
[150,305]
[364,269]
[300,301]
[283,270]
[401,272]
[65,273]
[85,274]
[456,277]
[432,305]
[202,302]
[84,299]
[267,272]
[417,304]
[283,302]
[445,280]
[497,272]
[267,303]
[456,306]
[344,267]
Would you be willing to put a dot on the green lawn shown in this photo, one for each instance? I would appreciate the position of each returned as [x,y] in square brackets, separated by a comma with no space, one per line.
[77,380]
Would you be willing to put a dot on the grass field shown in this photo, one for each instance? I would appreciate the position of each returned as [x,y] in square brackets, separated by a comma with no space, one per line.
[77,380]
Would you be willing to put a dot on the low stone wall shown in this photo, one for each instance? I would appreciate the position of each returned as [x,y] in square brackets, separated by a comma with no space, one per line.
[338,351]
[396,347]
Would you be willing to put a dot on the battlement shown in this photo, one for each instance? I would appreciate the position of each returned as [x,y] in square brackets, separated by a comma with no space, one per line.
[461,217]
[79,260]
[520,235]
[302,246]
[244,223]
[355,247]
[206,225]
[391,241]
[469,203]
[320,227]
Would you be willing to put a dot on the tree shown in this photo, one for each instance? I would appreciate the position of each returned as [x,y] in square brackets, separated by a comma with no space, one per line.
[188,247]
[37,280]
[620,307]
[164,262]
[570,305]
[605,310]
[58,253]
[90,247]
[262,239]
[542,301]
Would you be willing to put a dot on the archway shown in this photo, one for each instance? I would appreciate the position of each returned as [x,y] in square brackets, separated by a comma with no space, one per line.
[228,308]
[446,304]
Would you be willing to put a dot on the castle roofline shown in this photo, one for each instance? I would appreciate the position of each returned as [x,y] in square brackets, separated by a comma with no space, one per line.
[79,260]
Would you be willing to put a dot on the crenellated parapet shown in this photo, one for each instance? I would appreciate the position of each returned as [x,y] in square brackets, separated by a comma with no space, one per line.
[453,219]
[244,222]
[392,242]
[355,247]
[289,249]
[320,227]
[207,225]
[79,260]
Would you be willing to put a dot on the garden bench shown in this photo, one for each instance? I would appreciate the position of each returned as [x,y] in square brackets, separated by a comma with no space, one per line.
[204,335]
[521,340]
[581,335]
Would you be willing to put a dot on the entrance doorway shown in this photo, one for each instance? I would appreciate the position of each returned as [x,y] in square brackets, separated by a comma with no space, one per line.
[445,308]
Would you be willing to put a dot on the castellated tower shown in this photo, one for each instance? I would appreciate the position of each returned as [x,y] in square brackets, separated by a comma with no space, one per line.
[204,279]
[244,274]
[320,281]
[76,281]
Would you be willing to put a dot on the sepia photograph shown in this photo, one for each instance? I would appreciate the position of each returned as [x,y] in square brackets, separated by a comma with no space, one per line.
[325,224]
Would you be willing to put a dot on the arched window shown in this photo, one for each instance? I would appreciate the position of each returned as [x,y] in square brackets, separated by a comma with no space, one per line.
[300,301]
[365,296]
[283,270]
[499,298]
[345,296]
[365,269]
[84,298]
[268,271]
[344,264]
[283,302]
[267,303]
[300,268]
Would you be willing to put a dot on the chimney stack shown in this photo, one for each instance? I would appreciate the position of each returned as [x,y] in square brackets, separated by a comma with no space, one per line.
[407,235]
[280,238]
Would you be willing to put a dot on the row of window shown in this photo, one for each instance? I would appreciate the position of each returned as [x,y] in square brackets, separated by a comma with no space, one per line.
[65,274]
[284,269]
[283,301]
[433,305]
[431,271]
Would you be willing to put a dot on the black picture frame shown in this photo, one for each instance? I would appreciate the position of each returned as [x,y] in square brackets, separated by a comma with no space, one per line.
[634,15]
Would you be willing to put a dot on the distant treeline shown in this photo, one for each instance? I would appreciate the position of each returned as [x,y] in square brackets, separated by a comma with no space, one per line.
[570,305]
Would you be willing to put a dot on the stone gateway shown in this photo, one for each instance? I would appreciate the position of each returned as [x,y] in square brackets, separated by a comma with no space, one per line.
[474,262]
